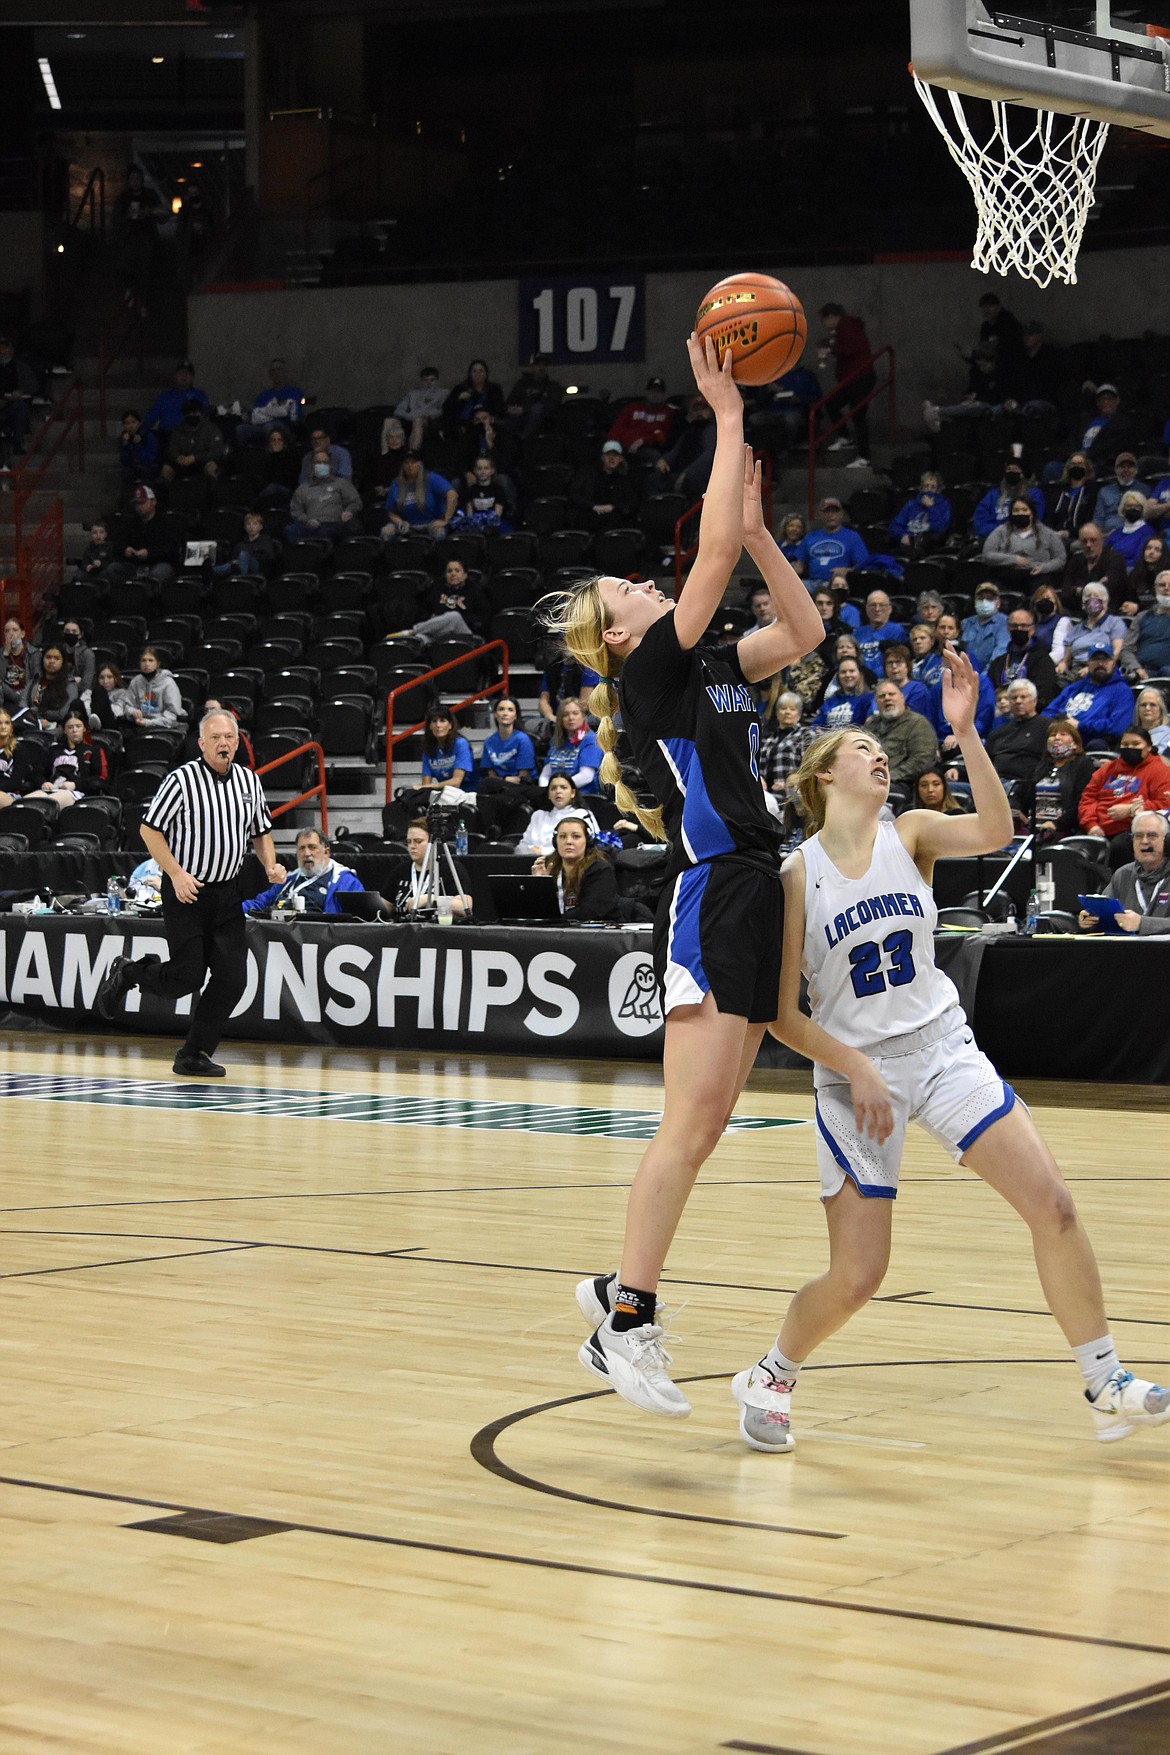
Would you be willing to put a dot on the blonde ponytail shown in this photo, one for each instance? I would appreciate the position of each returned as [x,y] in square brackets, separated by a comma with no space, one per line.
[819,755]
[579,618]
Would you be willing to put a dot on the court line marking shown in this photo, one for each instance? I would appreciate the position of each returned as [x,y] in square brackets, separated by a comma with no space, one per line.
[581,1570]
[85,1267]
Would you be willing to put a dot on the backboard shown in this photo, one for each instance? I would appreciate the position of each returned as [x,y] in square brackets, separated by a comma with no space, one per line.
[1104,59]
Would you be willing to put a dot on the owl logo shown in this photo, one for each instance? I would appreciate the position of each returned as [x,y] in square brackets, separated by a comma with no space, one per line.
[634,1003]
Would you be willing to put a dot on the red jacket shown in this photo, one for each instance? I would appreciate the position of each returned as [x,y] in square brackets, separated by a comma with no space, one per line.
[851,348]
[1117,783]
[652,422]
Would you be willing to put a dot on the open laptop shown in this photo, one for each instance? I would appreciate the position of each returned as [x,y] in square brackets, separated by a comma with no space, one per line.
[364,905]
[523,900]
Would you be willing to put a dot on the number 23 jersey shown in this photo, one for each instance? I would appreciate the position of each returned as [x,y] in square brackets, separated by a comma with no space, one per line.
[869,945]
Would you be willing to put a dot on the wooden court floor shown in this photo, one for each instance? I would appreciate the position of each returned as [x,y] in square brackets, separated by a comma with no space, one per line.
[296,1457]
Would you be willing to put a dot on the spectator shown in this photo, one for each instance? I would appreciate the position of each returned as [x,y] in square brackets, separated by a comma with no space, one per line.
[457,611]
[586,881]
[932,792]
[79,658]
[563,679]
[1158,504]
[482,436]
[1033,379]
[574,749]
[273,472]
[985,634]
[984,711]
[22,762]
[167,410]
[877,630]
[847,701]
[195,447]
[18,386]
[257,552]
[928,668]
[830,547]
[784,739]
[1019,743]
[323,506]
[782,408]
[1142,886]
[835,651]
[984,394]
[853,360]
[1101,701]
[1154,559]
[1108,429]
[1003,330]
[793,531]
[412,886]
[98,551]
[340,456]
[896,665]
[1145,651]
[22,663]
[392,454]
[48,697]
[995,507]
[447,758]
[154,694]
[920,640]
[315,885]
[1026,656]
[925,519]
[1073,640]
[507,770]
[137,448]
[1152,714]
[1070,500]
[686,467]
[1024,545]
[907,738]
[422,407]
[561,801]
[1134,533]
[604,495]
[109,700]
[475,394]
[280,404]
[488,502]
[419,499]
[534,397]
[830,609]
[1137,779]
[1093,563]
[645,427]
[136,215]
[1107,511]
[78,769]
[929,607]
[145,542]
[1051,799]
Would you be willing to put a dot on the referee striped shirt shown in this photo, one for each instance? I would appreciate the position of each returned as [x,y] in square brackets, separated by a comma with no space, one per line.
[209,820]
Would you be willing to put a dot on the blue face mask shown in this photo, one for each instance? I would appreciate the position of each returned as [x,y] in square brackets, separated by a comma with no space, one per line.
[321,469]
[984,607]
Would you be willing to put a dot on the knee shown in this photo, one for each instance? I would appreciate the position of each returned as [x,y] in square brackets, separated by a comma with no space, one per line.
[1059,1211]
[859,1281]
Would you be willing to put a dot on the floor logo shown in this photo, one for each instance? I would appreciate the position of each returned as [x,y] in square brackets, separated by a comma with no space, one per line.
[633,995]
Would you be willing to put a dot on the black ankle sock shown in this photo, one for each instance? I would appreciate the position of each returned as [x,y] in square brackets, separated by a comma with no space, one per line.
[631,1308]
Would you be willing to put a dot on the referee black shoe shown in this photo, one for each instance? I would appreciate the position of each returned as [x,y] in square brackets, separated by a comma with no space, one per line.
[112,988]
[198,1066]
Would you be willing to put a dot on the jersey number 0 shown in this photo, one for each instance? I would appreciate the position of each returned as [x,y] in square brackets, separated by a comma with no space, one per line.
[865,962]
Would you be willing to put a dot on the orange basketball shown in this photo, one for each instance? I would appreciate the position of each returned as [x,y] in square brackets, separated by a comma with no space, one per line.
[760,319]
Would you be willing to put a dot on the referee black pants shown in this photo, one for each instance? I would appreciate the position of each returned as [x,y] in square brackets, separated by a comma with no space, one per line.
[206,934]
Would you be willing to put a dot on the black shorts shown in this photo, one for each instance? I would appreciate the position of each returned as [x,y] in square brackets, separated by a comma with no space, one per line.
[718,930]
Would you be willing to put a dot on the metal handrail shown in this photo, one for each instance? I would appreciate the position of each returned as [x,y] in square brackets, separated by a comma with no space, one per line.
[92,196]
[683,556]
[816,440]
[318,792]
[500,686]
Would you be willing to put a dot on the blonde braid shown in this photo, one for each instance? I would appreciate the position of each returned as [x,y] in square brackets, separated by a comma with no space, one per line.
[579,618]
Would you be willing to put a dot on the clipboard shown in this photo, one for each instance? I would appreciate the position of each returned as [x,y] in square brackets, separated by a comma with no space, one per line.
[1106,909]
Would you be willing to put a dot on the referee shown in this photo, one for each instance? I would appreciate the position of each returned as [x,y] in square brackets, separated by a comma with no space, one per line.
[197,826]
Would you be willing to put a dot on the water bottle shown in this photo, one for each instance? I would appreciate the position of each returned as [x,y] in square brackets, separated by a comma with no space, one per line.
[113,896]
[1013,919]
[1032,919]
[461,839]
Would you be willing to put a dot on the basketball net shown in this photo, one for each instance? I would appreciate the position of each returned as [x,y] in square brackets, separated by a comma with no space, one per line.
[1032,194]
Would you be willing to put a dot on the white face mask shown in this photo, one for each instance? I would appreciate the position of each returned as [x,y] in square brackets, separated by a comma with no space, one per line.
[1162,599]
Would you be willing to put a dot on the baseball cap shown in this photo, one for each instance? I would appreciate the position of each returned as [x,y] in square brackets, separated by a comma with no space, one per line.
[1105,646]
[612,445]
[185,366]
[830,501]
[1126,457]
[656,383]
[1107,390]
[143,495]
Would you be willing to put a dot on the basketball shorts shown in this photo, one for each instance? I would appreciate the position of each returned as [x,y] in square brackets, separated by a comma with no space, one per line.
[718,930]
[936,1077]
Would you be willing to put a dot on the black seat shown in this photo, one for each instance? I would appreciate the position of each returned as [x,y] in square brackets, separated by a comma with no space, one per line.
[519,633]
[138,785]
[411,705]
[513,587]
[617,551]
[270,746]
[514,548]
[346,591]
[292,591]
[340,649]
[350,679]
[33,818]
[344,725]
[566,548]
[240,591]
[98,816]
[144,749]
[546,513]
[282,711]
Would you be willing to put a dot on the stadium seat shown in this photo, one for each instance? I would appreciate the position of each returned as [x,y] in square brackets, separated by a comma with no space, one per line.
[518,631]
[101,817]
[31,818]
[281,711]
[138,786]
[546,513]
[350,679]
[566,548]
[344,725]
[618,551]
[292,591]
[516,548]
[346,591]
[144,749]
[513,588]
[239,592]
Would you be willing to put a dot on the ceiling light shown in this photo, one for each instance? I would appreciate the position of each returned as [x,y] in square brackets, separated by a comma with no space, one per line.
[176,204]
[157,60]
[60,249]
[75,36]
[196,164]
[49,82]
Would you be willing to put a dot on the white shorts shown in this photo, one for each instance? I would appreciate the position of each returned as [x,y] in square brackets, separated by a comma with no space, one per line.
[936,1077]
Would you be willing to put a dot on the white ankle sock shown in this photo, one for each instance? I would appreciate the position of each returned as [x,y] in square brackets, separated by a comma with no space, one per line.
[778,1365]
[1098,1361]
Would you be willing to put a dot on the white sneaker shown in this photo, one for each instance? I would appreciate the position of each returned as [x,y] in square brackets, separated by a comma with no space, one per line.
[858,463]
[634,1363]
[840,444]
[764,1404]
[931,417]
[1125,1403]
[595,1298]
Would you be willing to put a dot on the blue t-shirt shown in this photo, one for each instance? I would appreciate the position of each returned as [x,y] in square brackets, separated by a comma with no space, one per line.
[839,711]
[443,763]
[508,755]
[822,551]
[166,411]
[569,758]
[407,507]
[871,641]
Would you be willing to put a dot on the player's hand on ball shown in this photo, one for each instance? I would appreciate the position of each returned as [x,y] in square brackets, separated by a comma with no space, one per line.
[873,1112]
[713,382]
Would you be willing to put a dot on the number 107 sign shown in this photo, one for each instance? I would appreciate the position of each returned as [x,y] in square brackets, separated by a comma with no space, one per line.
[583,319]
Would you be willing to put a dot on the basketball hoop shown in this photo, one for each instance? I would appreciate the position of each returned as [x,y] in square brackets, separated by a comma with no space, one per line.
[1032,194]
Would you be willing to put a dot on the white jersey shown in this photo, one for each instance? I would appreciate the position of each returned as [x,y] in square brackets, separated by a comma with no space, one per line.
[869,945]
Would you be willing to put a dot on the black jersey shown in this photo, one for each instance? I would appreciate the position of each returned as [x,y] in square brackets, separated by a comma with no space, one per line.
[694,731]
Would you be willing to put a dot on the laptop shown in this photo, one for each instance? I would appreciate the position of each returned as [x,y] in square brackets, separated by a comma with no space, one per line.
[364,905]
[523,900]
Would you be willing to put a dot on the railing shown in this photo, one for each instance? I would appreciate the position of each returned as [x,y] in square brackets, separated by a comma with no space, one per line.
[686,550]
[37,539]
[92,200]
[500,686]
[816,440]
[318,791]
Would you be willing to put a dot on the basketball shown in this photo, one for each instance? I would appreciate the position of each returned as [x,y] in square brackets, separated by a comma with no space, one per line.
[760,319]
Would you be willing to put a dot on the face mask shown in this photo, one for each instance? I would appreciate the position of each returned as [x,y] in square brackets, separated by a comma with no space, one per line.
[1012,479]
[1020,636]
[1162,599]
[1092,606]
[1132,515]
[1076,474]
[1058,751]
[1045,610]
[191,421]
[985,606]
[1131,755]
[321,469]
[1021,520]
[69,639]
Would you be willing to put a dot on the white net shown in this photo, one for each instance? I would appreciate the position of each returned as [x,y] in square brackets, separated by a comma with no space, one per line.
[1033,193]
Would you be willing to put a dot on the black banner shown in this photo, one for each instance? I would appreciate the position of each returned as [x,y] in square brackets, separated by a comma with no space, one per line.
[499,989]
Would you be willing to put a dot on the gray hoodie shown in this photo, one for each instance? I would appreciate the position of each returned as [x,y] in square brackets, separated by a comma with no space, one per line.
[157,698]
[324,500]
